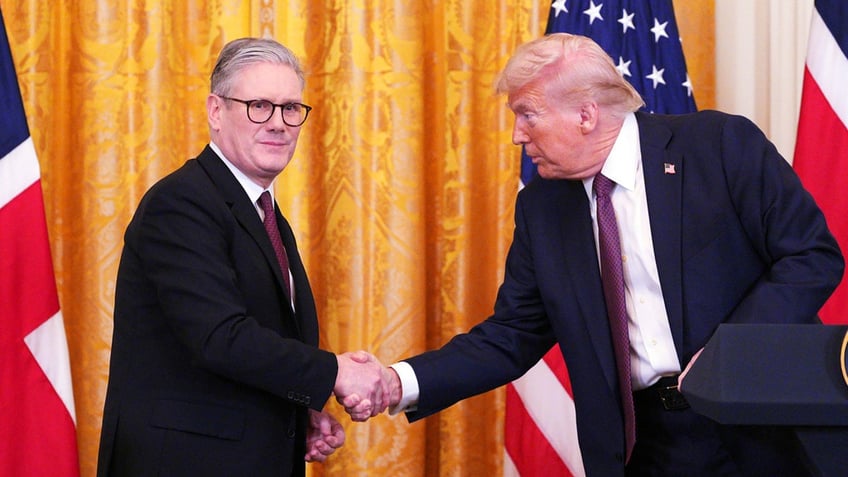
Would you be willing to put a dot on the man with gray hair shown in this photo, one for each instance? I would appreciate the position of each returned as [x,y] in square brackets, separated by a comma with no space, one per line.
[215,366]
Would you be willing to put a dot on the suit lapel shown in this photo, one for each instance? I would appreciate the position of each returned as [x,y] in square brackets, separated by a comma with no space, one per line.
[245,213]
[581,265]
[664,171]
[306,316]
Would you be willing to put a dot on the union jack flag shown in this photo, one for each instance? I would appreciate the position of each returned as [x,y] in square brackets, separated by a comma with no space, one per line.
[37,416]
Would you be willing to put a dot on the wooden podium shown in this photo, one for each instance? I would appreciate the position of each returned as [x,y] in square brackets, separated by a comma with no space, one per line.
[785,375]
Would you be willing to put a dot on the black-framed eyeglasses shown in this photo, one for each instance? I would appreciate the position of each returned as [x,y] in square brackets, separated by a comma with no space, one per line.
[261,110]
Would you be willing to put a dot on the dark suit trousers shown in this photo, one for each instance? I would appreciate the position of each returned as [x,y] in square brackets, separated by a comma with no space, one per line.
[683,443]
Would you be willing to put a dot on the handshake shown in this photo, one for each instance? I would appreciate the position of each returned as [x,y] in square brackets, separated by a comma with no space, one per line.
[364,386]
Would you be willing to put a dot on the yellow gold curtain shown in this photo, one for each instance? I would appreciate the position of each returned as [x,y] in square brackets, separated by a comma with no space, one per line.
[401,191]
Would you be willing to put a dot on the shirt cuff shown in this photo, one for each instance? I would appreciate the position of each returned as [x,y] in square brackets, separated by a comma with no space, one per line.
[409,388]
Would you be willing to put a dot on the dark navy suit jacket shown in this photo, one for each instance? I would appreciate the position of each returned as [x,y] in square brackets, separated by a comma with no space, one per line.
[211,371]
[736,238]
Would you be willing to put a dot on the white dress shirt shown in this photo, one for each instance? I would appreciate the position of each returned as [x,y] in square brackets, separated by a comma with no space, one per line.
[652,352]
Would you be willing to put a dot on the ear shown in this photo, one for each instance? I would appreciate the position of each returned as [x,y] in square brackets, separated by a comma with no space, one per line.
[213,111]
[588,117]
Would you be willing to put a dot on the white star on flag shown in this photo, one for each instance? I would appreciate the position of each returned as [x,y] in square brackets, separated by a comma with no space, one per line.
[688,85]
[656,76]
[623,67]
[659,30]
[559,7]
[594,12]
[626,21]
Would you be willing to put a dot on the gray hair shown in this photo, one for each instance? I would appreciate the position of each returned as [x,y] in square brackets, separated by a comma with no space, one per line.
[239,54]
[580,69]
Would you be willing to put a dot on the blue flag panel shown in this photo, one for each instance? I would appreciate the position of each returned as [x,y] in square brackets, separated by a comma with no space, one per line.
[13,126]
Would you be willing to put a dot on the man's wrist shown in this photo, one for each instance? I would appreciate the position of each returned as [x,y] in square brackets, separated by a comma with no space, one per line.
[395,388]
[408,388]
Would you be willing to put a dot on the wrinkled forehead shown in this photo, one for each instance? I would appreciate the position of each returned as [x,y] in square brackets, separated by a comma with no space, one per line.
[275,79]
[531,96]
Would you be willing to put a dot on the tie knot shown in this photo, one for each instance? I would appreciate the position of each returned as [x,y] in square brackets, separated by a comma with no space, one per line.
[602,185]
[265,203]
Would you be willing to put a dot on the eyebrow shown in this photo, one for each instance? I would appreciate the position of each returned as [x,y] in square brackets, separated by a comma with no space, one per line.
[520,106]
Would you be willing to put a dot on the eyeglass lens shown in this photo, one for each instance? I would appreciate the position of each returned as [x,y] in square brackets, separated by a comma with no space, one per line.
[294,114]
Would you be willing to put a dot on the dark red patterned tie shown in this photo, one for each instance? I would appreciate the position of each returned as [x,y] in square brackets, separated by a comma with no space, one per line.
[270,223]
[612,276]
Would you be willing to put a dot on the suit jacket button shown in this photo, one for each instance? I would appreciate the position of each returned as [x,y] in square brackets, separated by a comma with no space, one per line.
[291,433]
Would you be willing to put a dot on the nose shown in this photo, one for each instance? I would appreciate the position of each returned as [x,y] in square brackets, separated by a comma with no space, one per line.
[276,121]
[519,137]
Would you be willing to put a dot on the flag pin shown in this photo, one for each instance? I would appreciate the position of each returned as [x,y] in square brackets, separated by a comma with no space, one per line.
[668,168]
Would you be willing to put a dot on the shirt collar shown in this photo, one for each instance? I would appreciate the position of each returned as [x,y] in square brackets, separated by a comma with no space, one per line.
[624,160]
[252,189]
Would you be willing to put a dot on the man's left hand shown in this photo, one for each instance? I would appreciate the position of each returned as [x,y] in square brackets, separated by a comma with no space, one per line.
[323,436]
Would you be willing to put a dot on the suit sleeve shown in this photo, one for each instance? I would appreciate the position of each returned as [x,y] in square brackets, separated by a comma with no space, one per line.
[497,350]
[187,246]
[785,226]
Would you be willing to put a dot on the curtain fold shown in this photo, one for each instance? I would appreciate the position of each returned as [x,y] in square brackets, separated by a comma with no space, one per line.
[400,192]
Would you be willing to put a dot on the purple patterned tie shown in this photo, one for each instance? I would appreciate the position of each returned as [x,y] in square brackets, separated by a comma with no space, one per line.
[612,276]
[270,223]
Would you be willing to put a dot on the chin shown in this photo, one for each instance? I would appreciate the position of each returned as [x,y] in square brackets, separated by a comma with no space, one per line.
[547,174]
[544,173]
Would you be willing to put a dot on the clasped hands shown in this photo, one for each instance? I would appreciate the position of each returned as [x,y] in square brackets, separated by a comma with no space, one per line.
[364,386]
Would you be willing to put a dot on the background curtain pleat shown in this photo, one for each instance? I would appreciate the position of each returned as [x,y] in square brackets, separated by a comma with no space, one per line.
[401,190]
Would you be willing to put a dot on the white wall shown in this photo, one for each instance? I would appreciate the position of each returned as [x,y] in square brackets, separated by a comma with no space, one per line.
[761,46]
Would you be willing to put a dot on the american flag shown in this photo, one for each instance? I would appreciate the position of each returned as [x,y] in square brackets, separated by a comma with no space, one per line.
[37,428]
[820,157]
[540,434]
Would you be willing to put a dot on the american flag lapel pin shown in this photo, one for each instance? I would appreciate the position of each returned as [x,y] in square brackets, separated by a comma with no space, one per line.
[668,168]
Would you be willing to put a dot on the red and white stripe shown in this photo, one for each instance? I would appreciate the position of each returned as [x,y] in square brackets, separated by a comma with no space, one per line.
[820,151]
[37,416]
[540,431]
